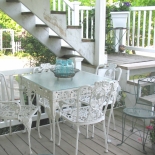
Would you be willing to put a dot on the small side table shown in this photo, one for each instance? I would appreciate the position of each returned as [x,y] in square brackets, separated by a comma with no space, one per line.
[120,33]
[138,114]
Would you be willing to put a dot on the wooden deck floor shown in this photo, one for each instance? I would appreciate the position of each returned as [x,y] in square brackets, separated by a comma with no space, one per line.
[123,58]
[17,143]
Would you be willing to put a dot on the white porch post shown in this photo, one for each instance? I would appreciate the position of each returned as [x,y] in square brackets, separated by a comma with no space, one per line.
[100,16]
[77,62]
[75,13]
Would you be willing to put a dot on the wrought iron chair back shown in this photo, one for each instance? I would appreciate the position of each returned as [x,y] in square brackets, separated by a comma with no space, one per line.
[110,71]
[13,110]
[100,95]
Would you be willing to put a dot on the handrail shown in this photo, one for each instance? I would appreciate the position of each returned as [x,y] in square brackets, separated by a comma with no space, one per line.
[69,4]
[142,8]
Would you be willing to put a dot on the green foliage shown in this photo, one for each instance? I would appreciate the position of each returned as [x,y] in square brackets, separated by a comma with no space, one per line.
[6,22]
[87,2]
[37,51]
[143,3]
[21,54]
[6,38]
[122,6]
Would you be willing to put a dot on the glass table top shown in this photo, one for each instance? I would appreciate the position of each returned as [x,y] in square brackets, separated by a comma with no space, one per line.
[140,113]
[48,81]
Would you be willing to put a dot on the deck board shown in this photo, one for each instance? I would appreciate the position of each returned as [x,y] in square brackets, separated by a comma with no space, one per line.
[87,145]
[123,58]
[17,143]
[8,146]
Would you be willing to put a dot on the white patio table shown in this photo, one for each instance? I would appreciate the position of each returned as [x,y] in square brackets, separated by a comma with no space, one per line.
[55,90]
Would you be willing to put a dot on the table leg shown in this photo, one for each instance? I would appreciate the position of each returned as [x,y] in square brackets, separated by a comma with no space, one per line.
[133,124]
[53,120]
[144,139]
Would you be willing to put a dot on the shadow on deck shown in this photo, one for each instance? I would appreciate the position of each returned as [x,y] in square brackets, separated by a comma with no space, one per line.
[17,143]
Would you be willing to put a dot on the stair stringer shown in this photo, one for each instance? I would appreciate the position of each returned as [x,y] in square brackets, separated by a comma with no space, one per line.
[27,21]
[57,22]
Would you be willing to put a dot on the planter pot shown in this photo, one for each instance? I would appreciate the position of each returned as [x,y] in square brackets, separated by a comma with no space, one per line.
[119,22]
[119,19]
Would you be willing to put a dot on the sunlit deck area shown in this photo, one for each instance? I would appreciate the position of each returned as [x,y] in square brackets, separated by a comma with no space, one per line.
[17,143]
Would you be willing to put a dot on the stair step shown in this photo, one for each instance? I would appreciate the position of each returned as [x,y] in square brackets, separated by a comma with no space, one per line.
[73,27]
[88,40]
[58,12]
[26,13]
[12,0]
[41,25]
[134,66]
[53,36]
[67,47]
[149,99]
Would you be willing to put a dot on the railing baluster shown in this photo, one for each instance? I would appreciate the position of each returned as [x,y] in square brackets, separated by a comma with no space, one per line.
[149,28]
[69,17]
[81,23]
[133,29]
[64,6]
[59,5]
[144,26]
[87,27]
[54,7]
[92,28]
[138,28]
[128,31]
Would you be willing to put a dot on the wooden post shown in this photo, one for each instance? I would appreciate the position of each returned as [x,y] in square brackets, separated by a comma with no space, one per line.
[75,13]
[100,16]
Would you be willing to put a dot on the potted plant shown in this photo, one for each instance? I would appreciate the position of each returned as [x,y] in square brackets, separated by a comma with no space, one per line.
[151,129]
[119,13]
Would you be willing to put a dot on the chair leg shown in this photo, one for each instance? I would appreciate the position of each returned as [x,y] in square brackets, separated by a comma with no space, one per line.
[38,123]
[77,139]
[10,128]
[105,135]
[113,118]
[24,131]
[93,131]
[87,131]
[50,121]
[57,118]
[109,119]
[27,123]
[59,132]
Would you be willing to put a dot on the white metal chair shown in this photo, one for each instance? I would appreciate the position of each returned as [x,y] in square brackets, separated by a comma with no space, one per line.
[13,110]
[46,67]
[110,71]
[91,113]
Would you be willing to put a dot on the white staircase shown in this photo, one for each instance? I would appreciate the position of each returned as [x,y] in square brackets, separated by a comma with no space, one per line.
[49,27]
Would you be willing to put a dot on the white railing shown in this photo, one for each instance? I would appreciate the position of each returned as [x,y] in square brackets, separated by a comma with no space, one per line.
[86,22]
[141,24]
[76,16]
[17,46]
[11,76]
